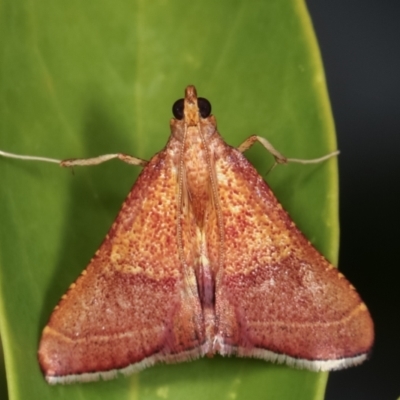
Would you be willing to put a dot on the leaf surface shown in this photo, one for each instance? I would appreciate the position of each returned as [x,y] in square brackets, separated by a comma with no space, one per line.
[79,79]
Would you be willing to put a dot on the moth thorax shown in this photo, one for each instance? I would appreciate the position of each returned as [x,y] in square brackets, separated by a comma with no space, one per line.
[197,182]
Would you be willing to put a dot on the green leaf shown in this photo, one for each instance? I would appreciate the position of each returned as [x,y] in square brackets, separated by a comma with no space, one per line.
[80,79]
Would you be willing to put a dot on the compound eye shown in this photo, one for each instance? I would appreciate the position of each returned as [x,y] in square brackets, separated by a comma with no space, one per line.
[177,109]
[204,107]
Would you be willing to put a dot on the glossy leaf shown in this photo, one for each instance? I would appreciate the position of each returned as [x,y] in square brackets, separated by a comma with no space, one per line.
[80,79]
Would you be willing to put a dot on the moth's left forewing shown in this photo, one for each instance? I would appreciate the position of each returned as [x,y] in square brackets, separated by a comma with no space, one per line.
[276,297]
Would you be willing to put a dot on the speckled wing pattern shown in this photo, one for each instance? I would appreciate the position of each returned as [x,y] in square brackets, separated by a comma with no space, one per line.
[132,306]
[202,259]
[277,298]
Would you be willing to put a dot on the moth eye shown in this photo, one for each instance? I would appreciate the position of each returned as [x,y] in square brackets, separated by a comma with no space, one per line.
[177,109]
[204,107]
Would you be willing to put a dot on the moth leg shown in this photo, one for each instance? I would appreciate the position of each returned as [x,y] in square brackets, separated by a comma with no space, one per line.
[279,158]
[29,158]
[72,162]
[79,161]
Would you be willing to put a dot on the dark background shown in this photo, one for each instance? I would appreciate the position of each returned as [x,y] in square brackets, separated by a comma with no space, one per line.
[360,45]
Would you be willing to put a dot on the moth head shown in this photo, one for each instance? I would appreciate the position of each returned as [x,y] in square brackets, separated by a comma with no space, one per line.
[191,109]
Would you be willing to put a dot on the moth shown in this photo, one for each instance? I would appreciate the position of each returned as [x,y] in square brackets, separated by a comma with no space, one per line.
[202,260]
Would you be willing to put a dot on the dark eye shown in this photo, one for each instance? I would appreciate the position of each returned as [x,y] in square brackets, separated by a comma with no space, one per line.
[177,109]
[204,107]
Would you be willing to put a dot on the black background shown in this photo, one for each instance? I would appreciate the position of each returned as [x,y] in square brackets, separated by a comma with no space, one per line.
[360,45]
